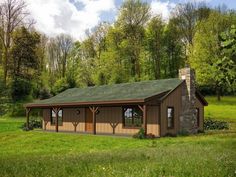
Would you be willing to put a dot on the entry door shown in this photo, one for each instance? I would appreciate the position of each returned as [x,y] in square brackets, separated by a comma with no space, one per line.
[88,120]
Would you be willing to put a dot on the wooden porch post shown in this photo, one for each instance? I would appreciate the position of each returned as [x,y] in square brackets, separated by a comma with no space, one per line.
[27,117]
[94,110]
[145,118]
[144,110]
[56,110]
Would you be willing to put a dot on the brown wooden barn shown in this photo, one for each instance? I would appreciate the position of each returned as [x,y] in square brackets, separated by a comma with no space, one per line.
[161,107]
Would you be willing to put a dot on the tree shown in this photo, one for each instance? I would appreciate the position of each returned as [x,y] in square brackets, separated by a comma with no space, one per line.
[132,18]
[173,50]
[206,55]
[25,62]
[65,43]
[187,16]
[99,38]
[12,15]
[154,40]
[228,64]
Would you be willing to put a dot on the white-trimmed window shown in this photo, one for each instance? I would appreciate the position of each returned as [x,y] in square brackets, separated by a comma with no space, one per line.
[170,117]
[53,117]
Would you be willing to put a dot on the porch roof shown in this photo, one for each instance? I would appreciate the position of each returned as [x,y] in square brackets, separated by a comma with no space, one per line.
[135,92]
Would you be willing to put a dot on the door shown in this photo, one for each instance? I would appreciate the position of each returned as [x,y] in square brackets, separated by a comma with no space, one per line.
[88,120]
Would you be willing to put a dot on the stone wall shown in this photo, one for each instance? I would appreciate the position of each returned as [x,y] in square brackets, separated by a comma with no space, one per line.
[188,117]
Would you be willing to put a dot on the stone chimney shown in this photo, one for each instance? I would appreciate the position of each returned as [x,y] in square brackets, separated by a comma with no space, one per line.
[188,119]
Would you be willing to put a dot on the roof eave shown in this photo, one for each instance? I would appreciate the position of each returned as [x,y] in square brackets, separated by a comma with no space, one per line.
[201,98]
[89,103]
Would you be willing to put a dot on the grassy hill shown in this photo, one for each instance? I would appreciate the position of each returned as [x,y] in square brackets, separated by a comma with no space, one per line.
[37,153]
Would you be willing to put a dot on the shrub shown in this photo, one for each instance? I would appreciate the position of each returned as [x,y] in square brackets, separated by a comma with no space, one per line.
[150,136]
[17,109]
[210,124]
[32,124]
[140,134]
[170,135]
[20,89]
[183,133]
[44,94]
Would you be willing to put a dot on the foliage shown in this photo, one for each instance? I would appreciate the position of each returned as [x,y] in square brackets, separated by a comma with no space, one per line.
[24,63]
[44,94]
[183,133]
[60,86]
[16,109]
[210,124]
[140,134]
[139,45]
[211,65]
[20,89]
[33,123]
[150,136]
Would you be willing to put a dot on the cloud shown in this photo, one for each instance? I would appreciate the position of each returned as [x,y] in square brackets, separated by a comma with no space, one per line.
[72,17]
[162,8]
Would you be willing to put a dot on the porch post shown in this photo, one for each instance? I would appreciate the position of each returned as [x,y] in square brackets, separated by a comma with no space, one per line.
[27,117]
[56,110]
[145,119]
[144,110]
[94,110]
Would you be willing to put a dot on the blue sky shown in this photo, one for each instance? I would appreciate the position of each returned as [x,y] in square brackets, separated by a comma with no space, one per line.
[74,17]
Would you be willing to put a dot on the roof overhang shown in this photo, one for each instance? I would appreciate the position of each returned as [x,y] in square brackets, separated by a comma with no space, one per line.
[80,104]
[201,98]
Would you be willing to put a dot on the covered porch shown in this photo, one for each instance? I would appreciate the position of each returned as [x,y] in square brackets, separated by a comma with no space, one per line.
[104,117]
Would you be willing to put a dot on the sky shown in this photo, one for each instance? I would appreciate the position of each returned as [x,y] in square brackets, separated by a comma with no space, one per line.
[75,17]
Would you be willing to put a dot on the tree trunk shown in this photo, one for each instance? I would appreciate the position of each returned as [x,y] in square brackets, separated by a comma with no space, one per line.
[218,93]
[5,67]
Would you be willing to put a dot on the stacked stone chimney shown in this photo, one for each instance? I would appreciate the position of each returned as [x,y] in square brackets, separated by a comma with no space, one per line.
[188,119]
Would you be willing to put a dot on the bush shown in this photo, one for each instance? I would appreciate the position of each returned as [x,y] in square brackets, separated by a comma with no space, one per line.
[140,134]
[170,135]
[183,133]
[150,136]
[20,89]
[44,94]
[210,124]
[32,124]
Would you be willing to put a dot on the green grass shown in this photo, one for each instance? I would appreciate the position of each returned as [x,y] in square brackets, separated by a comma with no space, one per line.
[222,110]
[38,153]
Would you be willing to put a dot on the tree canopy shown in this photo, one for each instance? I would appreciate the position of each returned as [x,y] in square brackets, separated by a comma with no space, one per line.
[137,46]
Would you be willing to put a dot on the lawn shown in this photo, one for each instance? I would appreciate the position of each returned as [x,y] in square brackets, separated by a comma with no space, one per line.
[38,153]
[222,110]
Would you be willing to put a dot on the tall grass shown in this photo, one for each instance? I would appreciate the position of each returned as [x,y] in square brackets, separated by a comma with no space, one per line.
[38,153]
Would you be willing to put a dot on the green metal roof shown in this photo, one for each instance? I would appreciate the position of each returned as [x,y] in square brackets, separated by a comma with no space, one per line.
[116,92]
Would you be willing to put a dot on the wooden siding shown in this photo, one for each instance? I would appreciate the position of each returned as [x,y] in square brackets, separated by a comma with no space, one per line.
[69,116]
[172,100]
[200,106]
[106,116]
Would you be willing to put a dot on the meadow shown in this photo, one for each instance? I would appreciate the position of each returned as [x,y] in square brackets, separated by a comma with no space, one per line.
[37,153]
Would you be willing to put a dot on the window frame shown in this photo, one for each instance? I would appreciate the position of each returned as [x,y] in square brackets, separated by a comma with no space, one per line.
[173,118]
[51,118]
[124,108]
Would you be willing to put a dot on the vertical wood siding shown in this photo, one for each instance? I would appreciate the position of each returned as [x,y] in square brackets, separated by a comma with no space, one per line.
[106,116]
[69,116]
[199,105]
[172,100]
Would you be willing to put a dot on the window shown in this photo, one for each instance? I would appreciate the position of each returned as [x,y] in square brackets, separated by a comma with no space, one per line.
[197,116]
[53,117]
[133,116]
[170,117]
